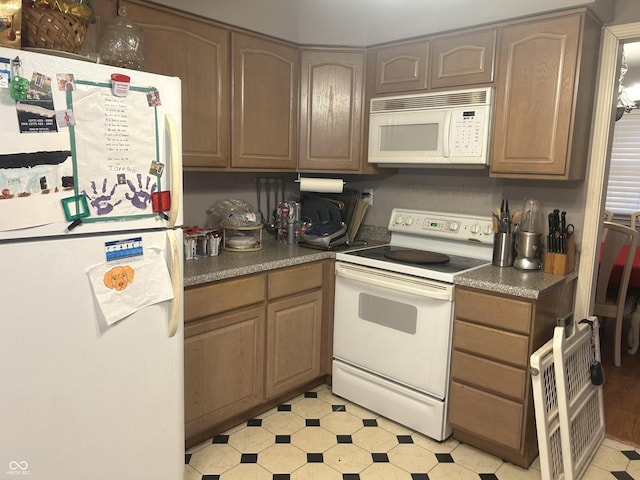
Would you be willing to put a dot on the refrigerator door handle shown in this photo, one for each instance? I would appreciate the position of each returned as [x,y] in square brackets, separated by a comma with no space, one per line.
[174,320]
[176,167]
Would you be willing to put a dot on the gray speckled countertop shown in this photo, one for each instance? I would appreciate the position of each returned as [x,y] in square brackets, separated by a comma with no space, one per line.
[234,264]
[511,281]
[274,254]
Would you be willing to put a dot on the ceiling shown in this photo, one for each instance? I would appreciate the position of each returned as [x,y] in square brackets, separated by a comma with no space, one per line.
[369,22]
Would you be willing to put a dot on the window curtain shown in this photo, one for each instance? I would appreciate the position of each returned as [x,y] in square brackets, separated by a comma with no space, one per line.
[623,191]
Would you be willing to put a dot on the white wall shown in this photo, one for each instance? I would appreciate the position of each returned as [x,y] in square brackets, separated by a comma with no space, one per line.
[457,191]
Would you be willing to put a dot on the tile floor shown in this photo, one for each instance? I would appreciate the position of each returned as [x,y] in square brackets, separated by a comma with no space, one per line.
[319,436]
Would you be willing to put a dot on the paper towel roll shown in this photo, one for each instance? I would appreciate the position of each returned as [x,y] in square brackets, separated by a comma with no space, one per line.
[322,185]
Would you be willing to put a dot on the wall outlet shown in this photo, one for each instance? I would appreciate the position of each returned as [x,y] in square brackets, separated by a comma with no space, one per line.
[367,195]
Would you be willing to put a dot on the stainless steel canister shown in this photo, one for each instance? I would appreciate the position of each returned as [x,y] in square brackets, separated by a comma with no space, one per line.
[503,249]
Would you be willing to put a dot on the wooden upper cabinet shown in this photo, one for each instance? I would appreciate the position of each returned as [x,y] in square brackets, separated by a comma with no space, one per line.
[463,58]
[265,103]
[197,51]
[331,96]
[544,97]
[401,67]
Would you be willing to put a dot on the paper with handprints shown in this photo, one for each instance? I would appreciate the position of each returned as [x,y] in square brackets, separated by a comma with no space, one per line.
[124,288]
[115,140]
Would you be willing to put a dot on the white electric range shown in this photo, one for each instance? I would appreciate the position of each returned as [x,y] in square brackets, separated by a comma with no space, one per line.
[393,316]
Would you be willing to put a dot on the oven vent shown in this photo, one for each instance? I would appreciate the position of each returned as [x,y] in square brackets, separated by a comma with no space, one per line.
[481,96]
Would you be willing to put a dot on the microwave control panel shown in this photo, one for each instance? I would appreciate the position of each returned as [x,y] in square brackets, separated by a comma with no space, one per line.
[467,132]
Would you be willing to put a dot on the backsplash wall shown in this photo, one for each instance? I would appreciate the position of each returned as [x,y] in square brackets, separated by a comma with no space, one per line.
[450,190]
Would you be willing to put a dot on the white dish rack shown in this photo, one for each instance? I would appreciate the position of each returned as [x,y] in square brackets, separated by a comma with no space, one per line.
[569,408]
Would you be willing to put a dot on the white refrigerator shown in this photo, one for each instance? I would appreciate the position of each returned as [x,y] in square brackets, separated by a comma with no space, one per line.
[91,323]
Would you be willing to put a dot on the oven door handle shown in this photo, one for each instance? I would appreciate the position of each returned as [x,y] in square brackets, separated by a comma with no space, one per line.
[401,283]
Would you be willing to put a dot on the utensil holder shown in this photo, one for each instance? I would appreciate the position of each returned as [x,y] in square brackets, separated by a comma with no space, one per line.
[503,249]
[561,263]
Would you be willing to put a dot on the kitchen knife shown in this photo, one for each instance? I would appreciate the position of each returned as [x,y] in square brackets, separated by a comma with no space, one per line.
[550,236]
[563,232]
[556,230]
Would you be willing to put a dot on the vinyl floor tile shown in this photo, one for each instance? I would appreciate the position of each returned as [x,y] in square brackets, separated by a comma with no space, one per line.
[348,442]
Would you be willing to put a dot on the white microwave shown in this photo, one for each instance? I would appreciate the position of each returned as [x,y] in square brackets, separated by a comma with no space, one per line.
[444,128]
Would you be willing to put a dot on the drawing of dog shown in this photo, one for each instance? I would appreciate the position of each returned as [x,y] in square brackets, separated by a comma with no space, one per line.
[119,277]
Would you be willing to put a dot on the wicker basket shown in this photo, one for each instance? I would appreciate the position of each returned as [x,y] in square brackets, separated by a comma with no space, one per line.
[52,29]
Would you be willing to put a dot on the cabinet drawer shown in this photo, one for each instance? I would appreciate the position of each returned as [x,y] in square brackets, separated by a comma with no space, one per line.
[492,310]
[290,281]
[498,345]
[497,419]
[487,375]
[223,296]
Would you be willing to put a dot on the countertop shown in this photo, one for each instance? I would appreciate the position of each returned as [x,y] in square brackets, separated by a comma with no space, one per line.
[230,264]
[274,254]
[511,281]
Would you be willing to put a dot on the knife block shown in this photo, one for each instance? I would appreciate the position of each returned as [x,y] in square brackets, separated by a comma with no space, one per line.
[561,263]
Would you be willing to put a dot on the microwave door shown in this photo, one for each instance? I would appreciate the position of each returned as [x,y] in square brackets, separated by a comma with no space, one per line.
[406,137]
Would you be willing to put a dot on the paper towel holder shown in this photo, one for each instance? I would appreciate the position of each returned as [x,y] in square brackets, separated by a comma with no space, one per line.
[297,180]
[300,180]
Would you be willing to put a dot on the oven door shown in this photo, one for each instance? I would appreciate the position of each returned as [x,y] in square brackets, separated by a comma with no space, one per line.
[396,326]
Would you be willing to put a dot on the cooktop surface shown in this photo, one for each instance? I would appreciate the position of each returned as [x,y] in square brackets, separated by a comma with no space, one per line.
[387,256]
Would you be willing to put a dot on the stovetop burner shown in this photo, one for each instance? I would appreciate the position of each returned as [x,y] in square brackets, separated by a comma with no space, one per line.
[385,257]
[420,257]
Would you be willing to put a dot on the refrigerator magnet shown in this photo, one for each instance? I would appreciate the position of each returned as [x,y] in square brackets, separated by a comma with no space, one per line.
[161,202]
[75,209]
[5,72]
[156,168]
[120,84]
[66,82]
[153,98]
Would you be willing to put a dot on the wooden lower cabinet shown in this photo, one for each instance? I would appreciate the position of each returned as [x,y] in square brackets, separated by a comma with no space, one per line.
[490,397]
[293,342]
[223,364]
[252,340]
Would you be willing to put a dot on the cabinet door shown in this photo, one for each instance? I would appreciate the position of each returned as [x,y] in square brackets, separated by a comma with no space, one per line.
[265,103]
[331,110]
[198,52]
[402,68]
[534,99]
[293,342]
[464,58]
[224,369]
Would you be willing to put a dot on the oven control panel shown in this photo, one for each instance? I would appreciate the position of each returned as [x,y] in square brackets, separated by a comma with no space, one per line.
[443,225]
